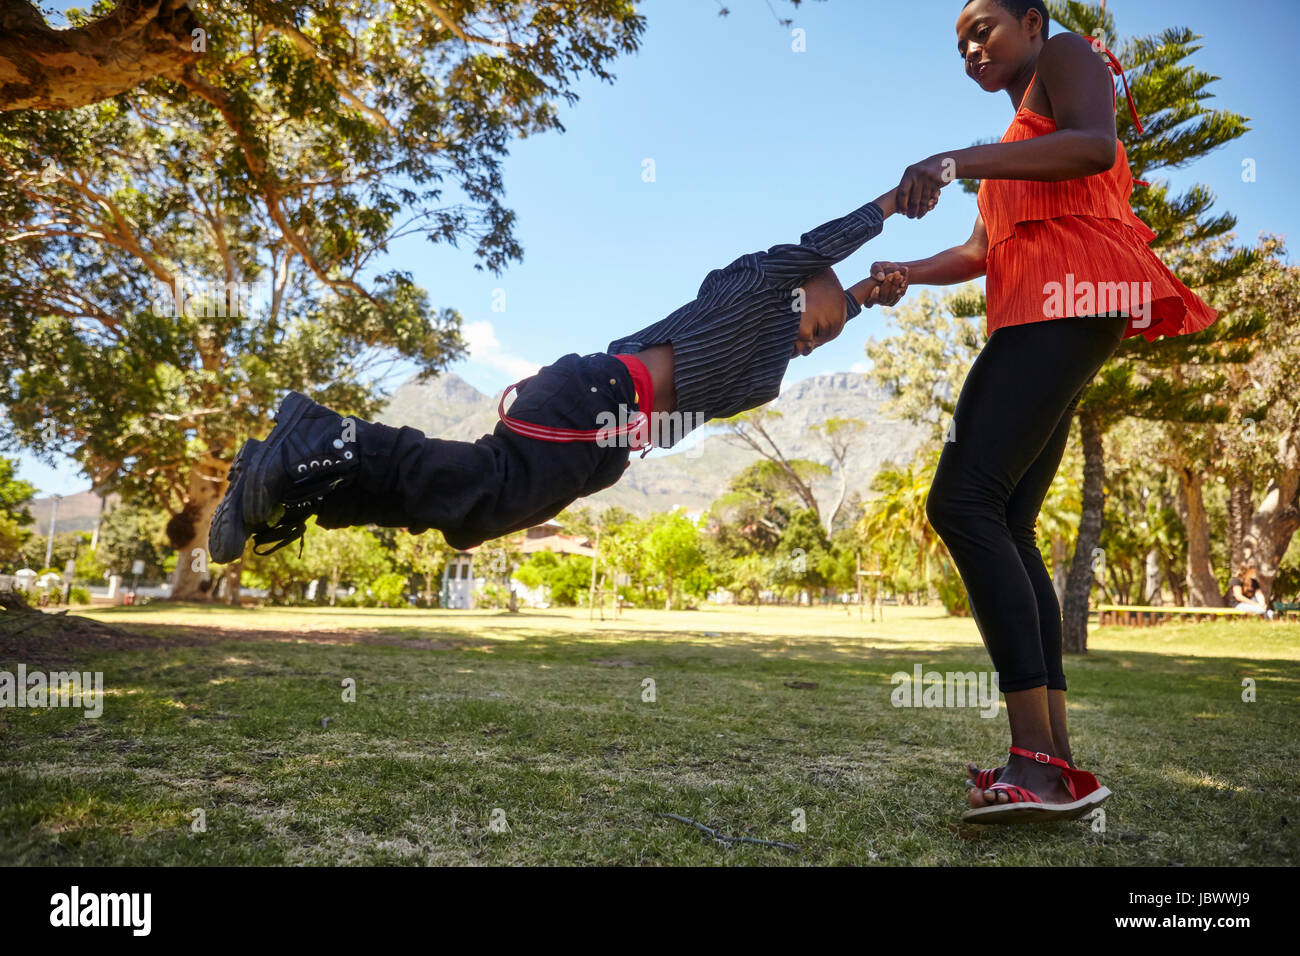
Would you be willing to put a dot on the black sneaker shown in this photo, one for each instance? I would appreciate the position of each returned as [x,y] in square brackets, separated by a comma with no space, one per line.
[227,534]
[276,483]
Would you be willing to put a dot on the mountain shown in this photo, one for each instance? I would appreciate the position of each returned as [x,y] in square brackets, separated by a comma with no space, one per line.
[77,512]
[447,406]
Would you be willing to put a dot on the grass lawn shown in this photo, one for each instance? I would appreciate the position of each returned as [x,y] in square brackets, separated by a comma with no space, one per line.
[538,719]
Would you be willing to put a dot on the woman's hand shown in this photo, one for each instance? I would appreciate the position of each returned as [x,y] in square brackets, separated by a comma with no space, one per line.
[891,283]
[918,190]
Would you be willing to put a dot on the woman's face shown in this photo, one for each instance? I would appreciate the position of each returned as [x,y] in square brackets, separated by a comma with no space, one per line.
[995,45]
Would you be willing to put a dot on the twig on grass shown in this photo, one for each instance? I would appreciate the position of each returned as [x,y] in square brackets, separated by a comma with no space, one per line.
[728,839]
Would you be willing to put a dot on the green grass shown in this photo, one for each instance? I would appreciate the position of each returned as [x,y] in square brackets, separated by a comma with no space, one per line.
[541,715]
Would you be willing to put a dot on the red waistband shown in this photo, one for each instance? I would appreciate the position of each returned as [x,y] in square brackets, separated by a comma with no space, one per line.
[645,386]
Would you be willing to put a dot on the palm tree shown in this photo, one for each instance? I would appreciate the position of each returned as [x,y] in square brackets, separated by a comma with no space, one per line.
[898,516]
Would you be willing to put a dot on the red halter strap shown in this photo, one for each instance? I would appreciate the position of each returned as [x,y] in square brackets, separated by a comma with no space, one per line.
[1118,70]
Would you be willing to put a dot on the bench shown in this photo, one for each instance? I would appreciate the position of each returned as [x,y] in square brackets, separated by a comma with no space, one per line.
[1282,609]
[1145,616]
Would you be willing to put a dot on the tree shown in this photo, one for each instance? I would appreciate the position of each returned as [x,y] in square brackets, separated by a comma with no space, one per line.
[673,551]
[564,576]
[346,554]
[839,435]
[621,549]
[282,573]
[751,430]
[424,555]
[759,503]
[133,41]
[44,68]
[897,529]
[802,553]
[1257,450]
[1144,379]
[925,362]
[267,177]
[15,512]
[389,589]
[751,573]
[131,533]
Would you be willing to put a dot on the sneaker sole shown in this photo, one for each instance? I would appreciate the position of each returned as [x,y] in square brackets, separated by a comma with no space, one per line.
[258,502]
[228,534]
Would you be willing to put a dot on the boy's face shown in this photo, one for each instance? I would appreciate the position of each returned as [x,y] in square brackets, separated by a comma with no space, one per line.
[824,315]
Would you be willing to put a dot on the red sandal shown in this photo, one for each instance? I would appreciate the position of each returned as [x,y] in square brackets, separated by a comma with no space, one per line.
[1026,806]
[984,779]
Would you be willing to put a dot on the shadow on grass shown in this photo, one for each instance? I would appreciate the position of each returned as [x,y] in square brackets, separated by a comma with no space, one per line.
[555,731]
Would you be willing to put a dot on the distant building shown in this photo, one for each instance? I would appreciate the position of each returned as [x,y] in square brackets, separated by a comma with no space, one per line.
[458,583]
[459,580]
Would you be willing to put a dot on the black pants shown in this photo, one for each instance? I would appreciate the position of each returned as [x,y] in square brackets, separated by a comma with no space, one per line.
[503,482]
[1011,426]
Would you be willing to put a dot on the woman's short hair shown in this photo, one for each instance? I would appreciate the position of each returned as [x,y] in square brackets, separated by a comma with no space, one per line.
[1019,8]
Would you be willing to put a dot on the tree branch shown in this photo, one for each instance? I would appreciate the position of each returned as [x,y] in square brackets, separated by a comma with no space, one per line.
[43,68]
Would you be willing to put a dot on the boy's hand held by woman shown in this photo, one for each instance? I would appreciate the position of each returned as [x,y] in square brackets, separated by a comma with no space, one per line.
[888,288]
[890,283]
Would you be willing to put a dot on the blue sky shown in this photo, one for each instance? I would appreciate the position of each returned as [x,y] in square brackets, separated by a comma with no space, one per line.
[753,144]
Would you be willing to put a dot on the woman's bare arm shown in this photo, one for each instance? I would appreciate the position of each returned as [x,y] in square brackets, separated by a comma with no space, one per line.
[1079,88]
[1082,95]
[950,267]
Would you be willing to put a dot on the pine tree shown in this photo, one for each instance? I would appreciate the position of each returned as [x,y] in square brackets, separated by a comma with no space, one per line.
[1143,379]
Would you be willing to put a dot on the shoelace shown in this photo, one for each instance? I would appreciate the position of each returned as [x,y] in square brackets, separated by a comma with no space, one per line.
[285,533]
[282,535]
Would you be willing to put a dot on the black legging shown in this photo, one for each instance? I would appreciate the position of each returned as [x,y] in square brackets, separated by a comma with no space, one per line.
[1009,432]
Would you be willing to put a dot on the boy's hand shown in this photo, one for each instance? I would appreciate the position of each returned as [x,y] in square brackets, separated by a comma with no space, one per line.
[890,281]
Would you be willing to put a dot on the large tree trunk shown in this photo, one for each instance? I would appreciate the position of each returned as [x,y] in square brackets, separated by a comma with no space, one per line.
[187,532]
[46,69]
[1060,569]
[1241,506]
[1152,577]
[234,571]
[839,500]
[1078,586]
[1202,586]
[1277,519]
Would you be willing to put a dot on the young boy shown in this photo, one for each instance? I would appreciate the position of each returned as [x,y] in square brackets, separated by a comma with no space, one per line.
[716,356]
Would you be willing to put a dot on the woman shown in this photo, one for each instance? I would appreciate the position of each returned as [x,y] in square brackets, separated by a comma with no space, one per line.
[1069,276]
[1246,594]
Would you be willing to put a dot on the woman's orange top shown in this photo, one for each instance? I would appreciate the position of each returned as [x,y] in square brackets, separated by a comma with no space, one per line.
[1076,248]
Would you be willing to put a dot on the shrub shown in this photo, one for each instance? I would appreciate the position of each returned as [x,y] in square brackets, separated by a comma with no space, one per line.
[492,596]
[953,595]
[389,590]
